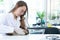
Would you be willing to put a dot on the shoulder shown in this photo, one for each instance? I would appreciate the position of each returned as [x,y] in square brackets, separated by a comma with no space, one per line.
[3,18]
[5,15]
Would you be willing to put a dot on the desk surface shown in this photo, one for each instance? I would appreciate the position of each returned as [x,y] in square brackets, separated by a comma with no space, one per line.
[27,37]
[15,37]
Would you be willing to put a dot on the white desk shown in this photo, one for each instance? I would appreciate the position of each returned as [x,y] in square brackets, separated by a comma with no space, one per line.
[40,36]
[5,37]
[26,37]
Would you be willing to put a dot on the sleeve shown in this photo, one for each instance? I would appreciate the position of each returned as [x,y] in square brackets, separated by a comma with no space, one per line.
[4,28]
[19,31]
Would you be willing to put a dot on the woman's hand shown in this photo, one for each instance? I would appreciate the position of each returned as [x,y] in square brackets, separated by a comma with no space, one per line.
[21,31]
[26,31]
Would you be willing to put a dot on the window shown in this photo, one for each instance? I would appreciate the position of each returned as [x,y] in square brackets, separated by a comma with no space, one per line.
[53,11]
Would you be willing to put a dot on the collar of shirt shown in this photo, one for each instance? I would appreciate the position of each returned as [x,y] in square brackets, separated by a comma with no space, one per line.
[13,21]
[18,18]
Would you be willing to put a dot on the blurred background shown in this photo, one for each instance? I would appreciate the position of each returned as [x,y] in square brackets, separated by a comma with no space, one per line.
[41,13]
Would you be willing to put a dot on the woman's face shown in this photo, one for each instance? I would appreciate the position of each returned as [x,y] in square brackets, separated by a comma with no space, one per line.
[20,11]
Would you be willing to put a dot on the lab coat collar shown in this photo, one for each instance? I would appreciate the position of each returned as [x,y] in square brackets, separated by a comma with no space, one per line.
[18,18]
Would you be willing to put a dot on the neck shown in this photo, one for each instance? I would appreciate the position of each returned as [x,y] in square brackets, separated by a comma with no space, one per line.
[15,17]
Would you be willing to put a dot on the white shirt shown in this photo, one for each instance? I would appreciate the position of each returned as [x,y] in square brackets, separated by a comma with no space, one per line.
[8,24]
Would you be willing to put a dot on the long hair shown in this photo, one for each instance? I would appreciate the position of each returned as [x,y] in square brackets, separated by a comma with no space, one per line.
[20,4]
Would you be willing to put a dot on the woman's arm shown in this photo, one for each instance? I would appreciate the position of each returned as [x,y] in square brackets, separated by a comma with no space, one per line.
[4,28]
[26,31]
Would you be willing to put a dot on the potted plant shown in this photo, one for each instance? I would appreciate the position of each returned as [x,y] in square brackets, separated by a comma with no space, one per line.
[53,17]
[41,16]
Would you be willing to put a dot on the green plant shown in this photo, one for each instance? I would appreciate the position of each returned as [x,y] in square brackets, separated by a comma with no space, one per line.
[41,14]
[1,0]
[53,17]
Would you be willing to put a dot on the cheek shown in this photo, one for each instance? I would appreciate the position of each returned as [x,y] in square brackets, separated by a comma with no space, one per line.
[19,13]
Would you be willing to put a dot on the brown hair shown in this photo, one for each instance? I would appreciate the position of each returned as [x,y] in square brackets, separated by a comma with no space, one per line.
[20,4]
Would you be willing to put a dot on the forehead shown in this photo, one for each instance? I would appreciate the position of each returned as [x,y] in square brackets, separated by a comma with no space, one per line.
[22,7]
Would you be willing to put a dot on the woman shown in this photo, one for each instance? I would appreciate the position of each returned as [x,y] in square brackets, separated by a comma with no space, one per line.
[13,22]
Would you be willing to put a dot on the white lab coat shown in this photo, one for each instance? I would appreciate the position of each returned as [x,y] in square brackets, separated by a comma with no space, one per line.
[8,24]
